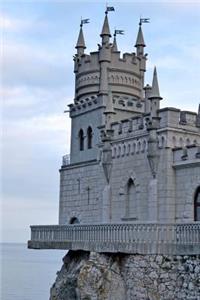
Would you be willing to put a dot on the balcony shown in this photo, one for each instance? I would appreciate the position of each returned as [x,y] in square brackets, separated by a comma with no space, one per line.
[167,239]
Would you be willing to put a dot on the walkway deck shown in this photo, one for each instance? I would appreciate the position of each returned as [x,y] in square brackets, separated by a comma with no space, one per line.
[145,238]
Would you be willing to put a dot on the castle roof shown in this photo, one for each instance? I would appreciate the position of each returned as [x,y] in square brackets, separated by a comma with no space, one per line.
[105,28]
[80,42]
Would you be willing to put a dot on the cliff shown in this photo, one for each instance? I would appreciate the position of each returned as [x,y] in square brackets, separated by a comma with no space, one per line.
[95,276]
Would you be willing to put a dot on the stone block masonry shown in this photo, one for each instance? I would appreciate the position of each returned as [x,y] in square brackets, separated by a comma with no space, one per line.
[94,276]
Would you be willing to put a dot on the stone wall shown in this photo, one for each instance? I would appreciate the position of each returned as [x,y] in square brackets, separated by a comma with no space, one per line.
[94,276]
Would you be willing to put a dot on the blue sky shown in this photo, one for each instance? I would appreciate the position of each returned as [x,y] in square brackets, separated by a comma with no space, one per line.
[37,83]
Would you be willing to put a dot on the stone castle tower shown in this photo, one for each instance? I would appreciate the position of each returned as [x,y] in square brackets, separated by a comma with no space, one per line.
[131,185]
[107,88]
[132,179]
[130,160]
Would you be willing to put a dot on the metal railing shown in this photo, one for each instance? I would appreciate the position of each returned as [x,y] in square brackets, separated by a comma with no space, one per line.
[140,238]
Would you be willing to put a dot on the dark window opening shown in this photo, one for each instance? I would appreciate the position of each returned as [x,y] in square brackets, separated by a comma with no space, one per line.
[74,220]
[197,205]
[89,137]
[81,140]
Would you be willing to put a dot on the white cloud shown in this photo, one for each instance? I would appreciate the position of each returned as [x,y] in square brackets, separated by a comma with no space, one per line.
[23,64]
[12,24]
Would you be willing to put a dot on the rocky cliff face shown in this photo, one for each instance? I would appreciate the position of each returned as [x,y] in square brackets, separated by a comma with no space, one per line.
[95,276]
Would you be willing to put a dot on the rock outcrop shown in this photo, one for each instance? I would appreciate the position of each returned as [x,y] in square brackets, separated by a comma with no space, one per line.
[98,276]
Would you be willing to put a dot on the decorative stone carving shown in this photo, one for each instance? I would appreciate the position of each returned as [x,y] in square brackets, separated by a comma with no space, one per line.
[152,152]
[183,120]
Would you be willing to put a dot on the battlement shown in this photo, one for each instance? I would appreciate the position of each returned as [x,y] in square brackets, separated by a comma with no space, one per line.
[186,155]
[123,74]
[172,117]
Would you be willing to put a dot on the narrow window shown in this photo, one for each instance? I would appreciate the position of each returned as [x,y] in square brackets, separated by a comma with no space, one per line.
[131,199]
[197,205]
[81,140]
[89,137]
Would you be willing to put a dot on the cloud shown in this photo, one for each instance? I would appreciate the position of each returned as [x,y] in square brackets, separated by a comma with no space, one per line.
[33,66]
[11,24]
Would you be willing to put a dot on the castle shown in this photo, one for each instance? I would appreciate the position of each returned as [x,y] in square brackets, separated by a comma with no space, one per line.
[132,165]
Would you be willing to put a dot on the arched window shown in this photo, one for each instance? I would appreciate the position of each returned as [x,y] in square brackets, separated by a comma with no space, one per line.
[89,137]
[131,199]
[74,220]
[81,140]
[197,205]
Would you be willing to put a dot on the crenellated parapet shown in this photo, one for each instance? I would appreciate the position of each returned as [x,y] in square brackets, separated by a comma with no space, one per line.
[175,118]
[189,155]
[123,74]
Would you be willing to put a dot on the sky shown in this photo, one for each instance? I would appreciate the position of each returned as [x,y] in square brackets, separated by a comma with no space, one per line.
[37,84]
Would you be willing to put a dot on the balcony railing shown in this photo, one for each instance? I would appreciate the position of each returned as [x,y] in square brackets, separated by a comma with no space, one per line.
[128,238]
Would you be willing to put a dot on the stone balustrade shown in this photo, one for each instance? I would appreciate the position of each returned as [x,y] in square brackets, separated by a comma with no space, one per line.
[128,238]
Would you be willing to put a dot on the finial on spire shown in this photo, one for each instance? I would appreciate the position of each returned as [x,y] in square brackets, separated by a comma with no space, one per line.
[109,8]
[155,93]
[114,45]
[81,42]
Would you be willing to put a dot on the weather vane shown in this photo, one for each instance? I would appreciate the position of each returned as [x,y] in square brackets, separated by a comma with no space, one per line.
[118,32]
[144,20]
[109,8]
[84,21]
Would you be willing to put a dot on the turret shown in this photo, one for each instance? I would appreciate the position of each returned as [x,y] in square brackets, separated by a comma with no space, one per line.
[155,95]
[114,45]
[105,33]
[140,44]
[147,91]
[104,57]
[80,45]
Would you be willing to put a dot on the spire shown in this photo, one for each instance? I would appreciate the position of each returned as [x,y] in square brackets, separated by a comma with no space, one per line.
[81,41]
[140,38]
[106,29]
[114,45]
[155,94]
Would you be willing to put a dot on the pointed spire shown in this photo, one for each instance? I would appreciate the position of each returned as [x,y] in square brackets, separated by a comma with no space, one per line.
[81,41]
[114,45]
[105,29]
[140,38]
[155,93]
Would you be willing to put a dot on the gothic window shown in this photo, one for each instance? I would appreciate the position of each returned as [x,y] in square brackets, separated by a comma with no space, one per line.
[131,199]
[81,140]
[89,137]
[197,205]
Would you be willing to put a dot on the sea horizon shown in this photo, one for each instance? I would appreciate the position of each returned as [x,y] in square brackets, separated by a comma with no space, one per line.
[27,274]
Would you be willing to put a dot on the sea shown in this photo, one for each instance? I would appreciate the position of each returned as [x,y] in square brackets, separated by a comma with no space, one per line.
[27,274]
